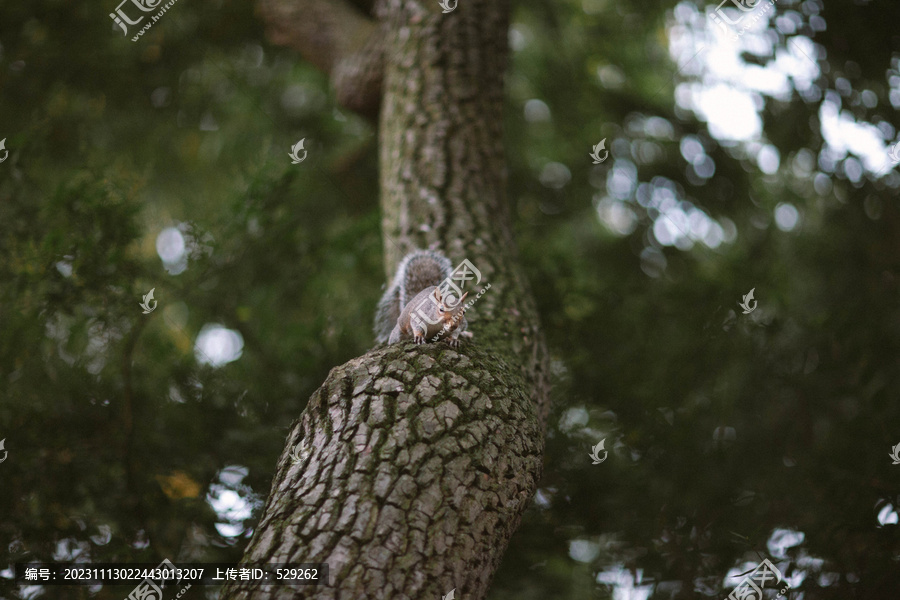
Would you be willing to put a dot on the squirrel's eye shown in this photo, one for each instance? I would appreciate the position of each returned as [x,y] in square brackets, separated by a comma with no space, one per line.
[441,308]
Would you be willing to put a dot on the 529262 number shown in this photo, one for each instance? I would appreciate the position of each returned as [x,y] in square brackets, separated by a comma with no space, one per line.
[294,574]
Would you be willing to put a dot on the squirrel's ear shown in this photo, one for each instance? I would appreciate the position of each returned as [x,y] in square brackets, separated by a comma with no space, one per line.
[463,299]
[437,294]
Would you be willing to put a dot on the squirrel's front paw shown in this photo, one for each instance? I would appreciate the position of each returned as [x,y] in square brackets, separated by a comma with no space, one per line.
[454,343]
[419,339]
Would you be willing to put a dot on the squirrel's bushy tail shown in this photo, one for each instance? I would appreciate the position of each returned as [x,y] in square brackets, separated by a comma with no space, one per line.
[387,313]
[417,271]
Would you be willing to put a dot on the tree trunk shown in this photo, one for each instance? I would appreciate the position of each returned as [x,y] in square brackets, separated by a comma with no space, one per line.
[417,462]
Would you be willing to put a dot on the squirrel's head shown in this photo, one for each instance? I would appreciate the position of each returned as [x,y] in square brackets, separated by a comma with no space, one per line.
[445,310]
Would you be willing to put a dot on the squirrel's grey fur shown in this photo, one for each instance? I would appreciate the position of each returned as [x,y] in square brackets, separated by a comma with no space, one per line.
[418,270]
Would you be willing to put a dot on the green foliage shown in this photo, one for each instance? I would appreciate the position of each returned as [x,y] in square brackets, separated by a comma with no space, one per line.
[118,429]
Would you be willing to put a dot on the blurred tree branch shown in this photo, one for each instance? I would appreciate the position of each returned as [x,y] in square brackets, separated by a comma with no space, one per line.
[337,38]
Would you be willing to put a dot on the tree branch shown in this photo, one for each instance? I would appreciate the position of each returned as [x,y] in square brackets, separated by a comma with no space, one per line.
[338,39]
[416,463]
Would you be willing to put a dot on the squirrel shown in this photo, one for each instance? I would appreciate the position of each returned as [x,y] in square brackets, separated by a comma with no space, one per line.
[416,306]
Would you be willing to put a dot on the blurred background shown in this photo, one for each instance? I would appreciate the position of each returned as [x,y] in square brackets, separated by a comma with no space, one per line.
[755,152]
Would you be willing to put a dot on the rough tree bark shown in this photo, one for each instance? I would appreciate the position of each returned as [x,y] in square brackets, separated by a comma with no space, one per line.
[417,462]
